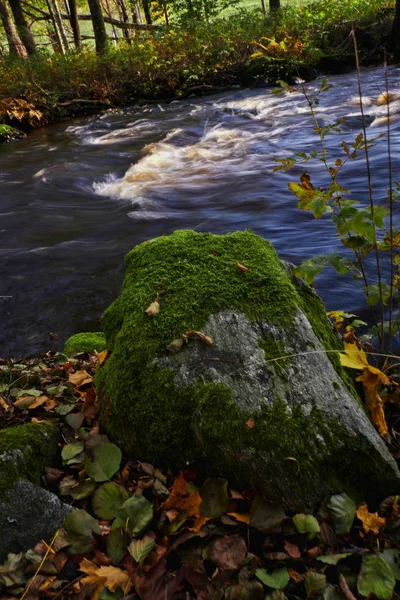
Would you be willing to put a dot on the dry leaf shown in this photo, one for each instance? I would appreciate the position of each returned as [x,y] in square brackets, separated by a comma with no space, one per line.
[306,181]
[295,575]
[153,309]
[39,401]
[3,403]
[250,424]
[80,378]
[101,357]
[371,521]
[292,550]
[176,345]
[202,336]
[242,267]
[115,578]
[241,517]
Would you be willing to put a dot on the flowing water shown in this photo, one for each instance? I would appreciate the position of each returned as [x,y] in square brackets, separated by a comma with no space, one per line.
[74,198]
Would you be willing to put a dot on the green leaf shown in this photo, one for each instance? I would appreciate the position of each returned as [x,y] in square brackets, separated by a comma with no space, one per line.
[376,577]
[275,595]
[342,511]
[83,489]
[265,515]
[12,572]
[392,557]
[315,583]
[116,546]
[140,549]
[80,522]
[137,513]
[71,450]
[214,494]
[75,420]
[276,580]
[306,524]
[333,559]
[105,463]
[108,499]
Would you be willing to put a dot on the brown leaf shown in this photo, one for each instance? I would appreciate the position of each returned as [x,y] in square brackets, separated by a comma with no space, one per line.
[250,424]
[371,521]
[4,404]
[80,378]
[306,181]
[181,500]
[176,345]
[39,401]
[153,309]
[204,338]
[114,578]
[295,575]
[292,550]
[53,475]
[228,552]
[313,552]
[241,517]
[101,357]
[242,267]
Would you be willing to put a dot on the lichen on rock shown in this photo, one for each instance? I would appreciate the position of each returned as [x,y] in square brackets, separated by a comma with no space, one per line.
[267,362]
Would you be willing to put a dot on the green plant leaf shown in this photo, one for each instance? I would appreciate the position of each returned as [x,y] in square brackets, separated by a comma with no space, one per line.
[376,577]
[108,499]
[342,511]
[306,524]
[265,515]
[71,450]
[214,494]
[140,549]
[137,514]
[116,546]
[105,463]
[392,557]
[80,526]
[83,489]
[333,559]
[315,583]
[276,580]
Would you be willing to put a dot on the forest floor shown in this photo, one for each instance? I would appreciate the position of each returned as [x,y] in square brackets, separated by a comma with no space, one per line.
[143,533]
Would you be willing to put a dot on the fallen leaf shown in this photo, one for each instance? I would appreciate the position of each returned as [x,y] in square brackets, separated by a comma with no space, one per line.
[371,521]
[242,267]
[115,578]
[250,424]
[228,552]
[241,517]
[3,403]
[101,357]
[292,550]
[204,338]
[295,575]
[153,309]
[176,345]
[80,378]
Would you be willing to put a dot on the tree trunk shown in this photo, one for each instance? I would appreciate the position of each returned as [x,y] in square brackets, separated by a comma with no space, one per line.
[22,26]
[396,33]
[15,44]
[75,24]
[60,24]
[274,5]
[108,13]
[99,27]
[124,17]
[57,41]
[147,13]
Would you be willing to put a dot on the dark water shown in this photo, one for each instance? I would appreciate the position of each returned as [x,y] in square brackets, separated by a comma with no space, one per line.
[75,198]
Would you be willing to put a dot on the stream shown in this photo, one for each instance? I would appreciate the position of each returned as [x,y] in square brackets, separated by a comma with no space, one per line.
[76,197]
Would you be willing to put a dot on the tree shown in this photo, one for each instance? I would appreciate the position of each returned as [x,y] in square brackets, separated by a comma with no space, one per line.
[274,5]
[73,19]
[15,44]
[99,27]
[22,26]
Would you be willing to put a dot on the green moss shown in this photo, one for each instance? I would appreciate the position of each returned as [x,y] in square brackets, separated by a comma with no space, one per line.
[273,349]
[24,451]
[85,342]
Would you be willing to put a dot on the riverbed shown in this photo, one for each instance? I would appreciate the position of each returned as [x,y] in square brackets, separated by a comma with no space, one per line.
[76,197]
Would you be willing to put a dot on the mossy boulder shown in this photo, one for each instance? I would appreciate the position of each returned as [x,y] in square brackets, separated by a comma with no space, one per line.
[28,513]
[290,428]
[10,134]
[85,342]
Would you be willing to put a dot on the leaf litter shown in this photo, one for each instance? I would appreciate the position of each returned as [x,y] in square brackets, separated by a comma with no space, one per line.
[143,534]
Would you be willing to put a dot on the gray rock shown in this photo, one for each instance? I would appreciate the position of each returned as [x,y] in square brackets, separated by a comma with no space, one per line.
[28,514]
[267,405]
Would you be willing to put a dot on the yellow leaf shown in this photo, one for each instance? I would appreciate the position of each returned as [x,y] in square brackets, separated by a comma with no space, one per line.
[354,358]
[80,378]
[204,338]
[24,402]
[241,517]
[101,357]
[38,402]
[373,401]
[153,309]
[114,578]
[371,521]
[4,404]
[86,566]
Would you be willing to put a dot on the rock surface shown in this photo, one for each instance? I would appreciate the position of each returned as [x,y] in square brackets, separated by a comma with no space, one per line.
[291,428]
[28,513]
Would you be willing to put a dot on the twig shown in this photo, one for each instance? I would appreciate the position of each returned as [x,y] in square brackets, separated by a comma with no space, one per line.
[369,179]
[58,595]
[344,588]
[390,203]
[49,549]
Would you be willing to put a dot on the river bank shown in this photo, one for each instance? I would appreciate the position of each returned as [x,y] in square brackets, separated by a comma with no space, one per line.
[178,64]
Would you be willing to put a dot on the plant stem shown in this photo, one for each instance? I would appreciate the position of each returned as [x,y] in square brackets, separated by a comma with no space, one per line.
[369,179]
[389,154]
